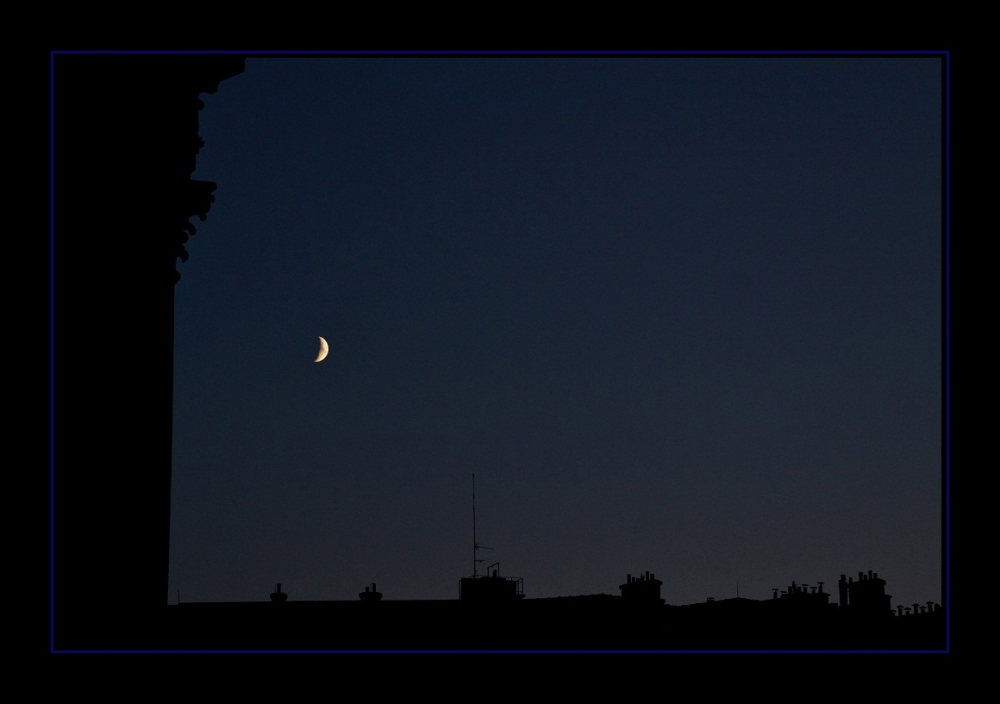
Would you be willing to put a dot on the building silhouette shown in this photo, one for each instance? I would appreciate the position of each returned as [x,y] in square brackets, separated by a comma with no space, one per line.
[866,597]
[493,613]
[490,588]
[125,136]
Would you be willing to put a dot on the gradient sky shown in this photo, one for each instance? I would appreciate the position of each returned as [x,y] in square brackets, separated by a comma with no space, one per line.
[681,315]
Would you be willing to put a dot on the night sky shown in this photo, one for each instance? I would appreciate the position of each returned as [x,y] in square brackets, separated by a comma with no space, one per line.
[681,315]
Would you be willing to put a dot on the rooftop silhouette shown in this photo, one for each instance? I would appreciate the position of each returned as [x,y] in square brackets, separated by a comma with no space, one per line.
[493,613]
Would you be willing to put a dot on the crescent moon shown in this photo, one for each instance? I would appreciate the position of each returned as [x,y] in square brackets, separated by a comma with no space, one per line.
[323,350]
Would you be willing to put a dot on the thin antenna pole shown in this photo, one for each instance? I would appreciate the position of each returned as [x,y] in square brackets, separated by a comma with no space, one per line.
[475,545]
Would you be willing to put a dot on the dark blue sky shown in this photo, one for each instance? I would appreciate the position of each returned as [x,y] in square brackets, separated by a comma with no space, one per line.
[677,314]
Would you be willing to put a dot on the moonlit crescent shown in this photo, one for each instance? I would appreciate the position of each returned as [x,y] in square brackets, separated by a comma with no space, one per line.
[323,349]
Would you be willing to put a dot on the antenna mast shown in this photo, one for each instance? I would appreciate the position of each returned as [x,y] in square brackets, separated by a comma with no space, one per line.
[476,547]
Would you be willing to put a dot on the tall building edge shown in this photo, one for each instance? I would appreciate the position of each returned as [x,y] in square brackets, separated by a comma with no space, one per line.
[125,139]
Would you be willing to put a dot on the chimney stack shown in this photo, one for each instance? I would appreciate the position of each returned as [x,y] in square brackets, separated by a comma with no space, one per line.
[277,597]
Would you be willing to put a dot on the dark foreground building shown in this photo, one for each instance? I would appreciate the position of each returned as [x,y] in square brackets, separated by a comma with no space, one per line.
[125,139]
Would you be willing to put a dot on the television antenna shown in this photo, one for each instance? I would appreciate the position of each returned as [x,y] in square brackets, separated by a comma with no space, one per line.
[476,547]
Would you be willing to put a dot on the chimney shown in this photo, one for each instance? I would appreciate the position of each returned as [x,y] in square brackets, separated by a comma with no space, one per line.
[277,597]
[869,574]
[861,576]
[628,579]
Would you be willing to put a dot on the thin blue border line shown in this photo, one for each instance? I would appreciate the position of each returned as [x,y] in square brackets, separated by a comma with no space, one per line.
[947,342]
[515,52]
[535,651]
[947,347]
[52,334]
